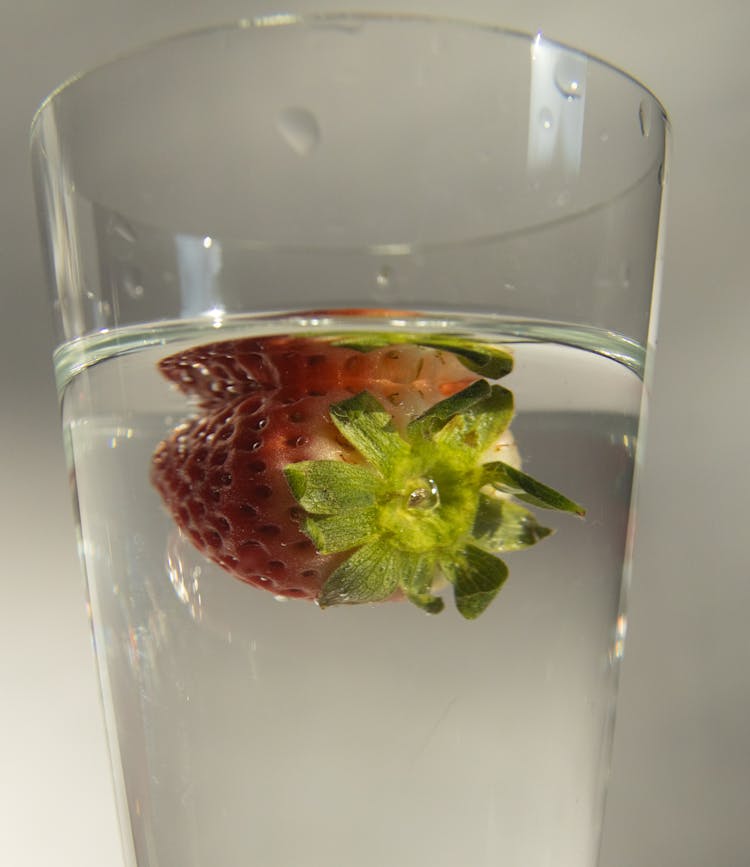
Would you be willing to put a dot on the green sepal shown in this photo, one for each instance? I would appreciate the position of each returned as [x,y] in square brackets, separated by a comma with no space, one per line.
[435,418]
[333,533]
[364,422]
[477,578]
[508,479]
[489,361]
[417,580]
[427,602]
[502,525]
[371,574]
[329,487]
[479,426]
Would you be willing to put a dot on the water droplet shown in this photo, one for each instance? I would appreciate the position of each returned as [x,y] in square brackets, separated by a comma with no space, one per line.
[623,275]
[425,496]
[386,286]
[384,276]
[570,76]
[119,227]
[132,284]
[604,136]
[546,119]
[299,129]
[644,118]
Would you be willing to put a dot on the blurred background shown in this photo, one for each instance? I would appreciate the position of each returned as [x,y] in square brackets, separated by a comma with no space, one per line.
[681,773]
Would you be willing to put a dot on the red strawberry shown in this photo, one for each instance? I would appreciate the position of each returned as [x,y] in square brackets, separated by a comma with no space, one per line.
[222,477]
[344,476]
[220,372]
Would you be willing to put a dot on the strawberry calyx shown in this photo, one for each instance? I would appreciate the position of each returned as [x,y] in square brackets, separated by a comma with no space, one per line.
[421,508]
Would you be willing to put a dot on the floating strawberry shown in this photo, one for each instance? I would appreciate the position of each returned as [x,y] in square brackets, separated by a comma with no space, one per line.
[308,490]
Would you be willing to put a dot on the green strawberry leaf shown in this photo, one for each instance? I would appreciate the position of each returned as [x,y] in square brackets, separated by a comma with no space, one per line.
[329,487]
[441,413]
[369,575]
[333,533]
[502,525]
[370,429]
[479,426]
[489,361]
[477,578]
[508,479]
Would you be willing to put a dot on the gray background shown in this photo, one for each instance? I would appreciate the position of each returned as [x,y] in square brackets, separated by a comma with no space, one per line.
[681,776]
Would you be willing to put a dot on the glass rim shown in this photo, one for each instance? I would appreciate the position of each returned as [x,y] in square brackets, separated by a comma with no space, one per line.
[290,19]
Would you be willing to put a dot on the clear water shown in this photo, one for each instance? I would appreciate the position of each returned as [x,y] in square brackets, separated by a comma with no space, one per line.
[250,731]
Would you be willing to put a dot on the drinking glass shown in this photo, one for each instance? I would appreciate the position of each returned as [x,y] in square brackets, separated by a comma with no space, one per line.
[265,237]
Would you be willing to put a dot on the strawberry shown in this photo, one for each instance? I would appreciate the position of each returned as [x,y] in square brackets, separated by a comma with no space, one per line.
[221,372]
[350,473]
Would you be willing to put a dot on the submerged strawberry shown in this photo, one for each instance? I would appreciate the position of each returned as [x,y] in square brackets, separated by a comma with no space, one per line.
[352,478]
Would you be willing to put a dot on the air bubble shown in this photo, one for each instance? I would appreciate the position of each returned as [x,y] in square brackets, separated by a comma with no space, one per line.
[546,120]
[425,496]
[299,129]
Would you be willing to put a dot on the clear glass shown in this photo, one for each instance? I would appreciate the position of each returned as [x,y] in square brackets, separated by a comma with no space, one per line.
[419,183]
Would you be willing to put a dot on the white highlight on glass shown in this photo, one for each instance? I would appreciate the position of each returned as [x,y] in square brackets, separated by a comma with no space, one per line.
[199,262]
[556,108]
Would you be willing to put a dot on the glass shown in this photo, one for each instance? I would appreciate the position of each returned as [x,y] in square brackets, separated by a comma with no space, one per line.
[340,204]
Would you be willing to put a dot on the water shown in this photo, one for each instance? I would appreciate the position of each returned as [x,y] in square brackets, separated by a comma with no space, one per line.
[250,731]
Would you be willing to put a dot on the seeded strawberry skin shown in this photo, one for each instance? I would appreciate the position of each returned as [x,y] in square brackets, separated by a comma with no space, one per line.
[218,373]
[221,476]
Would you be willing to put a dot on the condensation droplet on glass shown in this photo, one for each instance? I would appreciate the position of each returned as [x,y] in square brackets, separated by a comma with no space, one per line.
[132,283]
[604,136]
[384,277]
[644,118]
[624,275]
[299,129]
[510,287]
[570,76]
[546,119]
[385,284]
[119,227]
